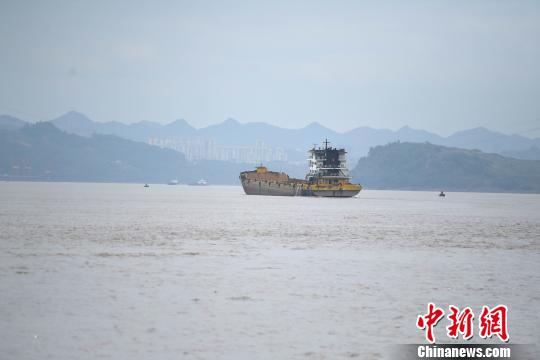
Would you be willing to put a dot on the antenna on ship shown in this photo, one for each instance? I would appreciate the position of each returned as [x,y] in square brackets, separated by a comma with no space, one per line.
[326,142]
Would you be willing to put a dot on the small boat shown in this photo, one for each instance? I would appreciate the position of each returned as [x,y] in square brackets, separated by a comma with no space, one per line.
[146,185]
[201,182]
[442,194]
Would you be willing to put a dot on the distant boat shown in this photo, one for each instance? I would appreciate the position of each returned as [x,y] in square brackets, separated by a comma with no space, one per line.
[442,194]
[146,185]
[173,182]
[201,182]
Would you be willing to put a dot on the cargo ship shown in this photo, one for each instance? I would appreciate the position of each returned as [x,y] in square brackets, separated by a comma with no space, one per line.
[328,176]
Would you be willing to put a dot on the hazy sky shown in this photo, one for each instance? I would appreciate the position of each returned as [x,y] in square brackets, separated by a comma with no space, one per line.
[438,65]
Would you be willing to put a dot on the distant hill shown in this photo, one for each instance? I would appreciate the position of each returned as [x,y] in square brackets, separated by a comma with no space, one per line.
[79,124]
[357,141]
[489,141]
[532,153]
[424,166]
[43,152]
[10,123]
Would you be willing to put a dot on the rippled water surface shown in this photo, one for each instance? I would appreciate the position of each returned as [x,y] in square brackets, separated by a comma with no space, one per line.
[120,271]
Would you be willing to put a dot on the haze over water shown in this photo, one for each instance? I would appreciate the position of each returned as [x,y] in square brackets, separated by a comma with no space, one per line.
[168,272]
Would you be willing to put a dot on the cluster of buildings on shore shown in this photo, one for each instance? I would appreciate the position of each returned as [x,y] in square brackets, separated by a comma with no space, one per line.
[208,149]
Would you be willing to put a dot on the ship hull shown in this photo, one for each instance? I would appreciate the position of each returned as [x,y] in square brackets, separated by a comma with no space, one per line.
[335,193]
[287,189]
[269,188]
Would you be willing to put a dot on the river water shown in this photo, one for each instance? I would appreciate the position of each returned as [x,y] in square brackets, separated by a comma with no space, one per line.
[118,271]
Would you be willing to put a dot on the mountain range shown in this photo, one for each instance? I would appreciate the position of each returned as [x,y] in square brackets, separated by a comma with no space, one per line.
[357,141]
[41,151]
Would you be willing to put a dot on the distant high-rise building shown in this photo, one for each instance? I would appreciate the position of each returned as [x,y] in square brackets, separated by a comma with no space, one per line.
[207,149]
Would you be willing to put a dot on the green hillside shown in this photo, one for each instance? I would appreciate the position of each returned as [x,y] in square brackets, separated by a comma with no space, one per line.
[424,166]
